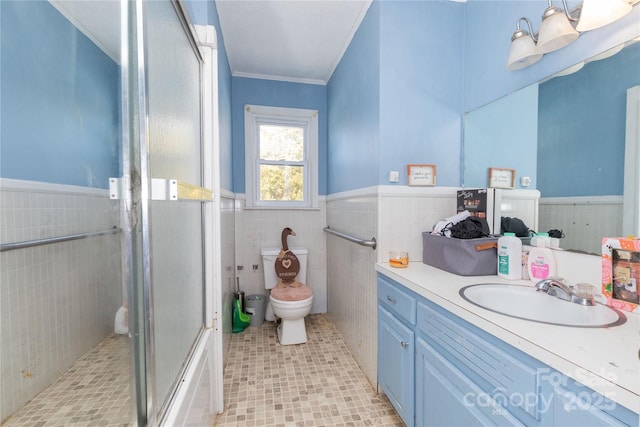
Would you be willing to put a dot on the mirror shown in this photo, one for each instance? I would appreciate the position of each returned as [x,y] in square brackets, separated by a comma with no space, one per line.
[566,134]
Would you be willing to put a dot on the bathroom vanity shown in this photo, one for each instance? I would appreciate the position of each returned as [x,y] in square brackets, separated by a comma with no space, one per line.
[444,361]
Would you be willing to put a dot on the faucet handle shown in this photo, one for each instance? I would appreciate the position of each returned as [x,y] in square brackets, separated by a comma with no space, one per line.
[585,290]
[544,284]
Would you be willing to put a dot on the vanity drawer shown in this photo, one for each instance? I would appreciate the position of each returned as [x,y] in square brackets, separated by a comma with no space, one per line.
[512,382]
[401,303]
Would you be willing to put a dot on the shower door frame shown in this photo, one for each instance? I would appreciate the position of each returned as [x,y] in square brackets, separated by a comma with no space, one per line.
[136,199]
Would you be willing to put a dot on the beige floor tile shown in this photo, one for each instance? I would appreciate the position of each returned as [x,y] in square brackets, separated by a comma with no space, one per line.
[266,385]
[313,384]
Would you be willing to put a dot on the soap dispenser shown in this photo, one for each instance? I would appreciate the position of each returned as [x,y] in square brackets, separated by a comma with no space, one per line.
[510,257]
[541,264]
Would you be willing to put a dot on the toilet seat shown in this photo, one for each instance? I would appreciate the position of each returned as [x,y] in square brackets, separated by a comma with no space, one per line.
[292,294]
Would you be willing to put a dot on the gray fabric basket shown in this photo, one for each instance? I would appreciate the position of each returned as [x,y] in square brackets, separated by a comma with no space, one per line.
[464,257]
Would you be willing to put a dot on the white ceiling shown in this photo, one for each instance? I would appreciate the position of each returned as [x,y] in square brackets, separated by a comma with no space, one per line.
[99,20]
[292,40]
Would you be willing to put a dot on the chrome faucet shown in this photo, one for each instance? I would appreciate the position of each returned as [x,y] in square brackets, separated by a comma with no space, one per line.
[555,287]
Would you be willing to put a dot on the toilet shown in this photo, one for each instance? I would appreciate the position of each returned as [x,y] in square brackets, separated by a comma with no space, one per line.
[290,304]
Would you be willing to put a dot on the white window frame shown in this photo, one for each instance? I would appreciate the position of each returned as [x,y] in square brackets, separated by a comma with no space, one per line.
[254,116]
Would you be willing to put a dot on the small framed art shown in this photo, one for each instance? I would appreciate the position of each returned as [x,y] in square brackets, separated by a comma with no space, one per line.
[421,175]
[502,178]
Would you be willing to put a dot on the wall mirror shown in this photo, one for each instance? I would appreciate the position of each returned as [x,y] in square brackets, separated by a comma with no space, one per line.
[568,133]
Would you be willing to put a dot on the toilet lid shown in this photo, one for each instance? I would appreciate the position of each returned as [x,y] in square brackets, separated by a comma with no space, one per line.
[292,294]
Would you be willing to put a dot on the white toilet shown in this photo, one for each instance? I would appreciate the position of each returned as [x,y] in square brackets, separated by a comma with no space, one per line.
[291,305]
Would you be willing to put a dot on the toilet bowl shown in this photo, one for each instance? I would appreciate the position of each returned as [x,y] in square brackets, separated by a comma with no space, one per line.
[292,329]
[289,304]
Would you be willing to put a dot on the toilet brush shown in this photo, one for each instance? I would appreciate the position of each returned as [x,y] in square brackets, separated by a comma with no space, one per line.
[239,295]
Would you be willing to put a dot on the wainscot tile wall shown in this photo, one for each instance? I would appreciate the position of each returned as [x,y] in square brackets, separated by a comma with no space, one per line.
[228,267]
[259,228]
[351,285]
[57,301]
[584,220]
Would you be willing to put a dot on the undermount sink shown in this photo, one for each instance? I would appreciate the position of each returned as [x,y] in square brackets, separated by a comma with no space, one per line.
[524,302]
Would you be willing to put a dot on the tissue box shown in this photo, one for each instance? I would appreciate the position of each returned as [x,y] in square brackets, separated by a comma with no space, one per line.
[621,272]
[465,257]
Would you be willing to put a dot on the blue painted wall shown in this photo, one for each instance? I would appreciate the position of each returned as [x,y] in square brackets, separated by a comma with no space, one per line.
[503,134]
[206,13]
[421,99]
[396,96]
[583,118]
[276,94]
[60,100]
[354,110]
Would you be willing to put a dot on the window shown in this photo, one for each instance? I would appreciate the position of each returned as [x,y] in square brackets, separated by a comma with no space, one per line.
[281,152]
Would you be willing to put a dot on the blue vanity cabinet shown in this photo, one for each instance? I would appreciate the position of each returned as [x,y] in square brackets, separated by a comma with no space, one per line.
[396,347]
[447,397]
[472,379]
[575,404]
[439,370]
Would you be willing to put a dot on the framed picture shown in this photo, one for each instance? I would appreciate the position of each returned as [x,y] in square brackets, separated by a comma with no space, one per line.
[502,178]
[421,175]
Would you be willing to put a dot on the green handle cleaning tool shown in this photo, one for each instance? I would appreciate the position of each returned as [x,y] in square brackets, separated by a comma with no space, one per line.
[240,319]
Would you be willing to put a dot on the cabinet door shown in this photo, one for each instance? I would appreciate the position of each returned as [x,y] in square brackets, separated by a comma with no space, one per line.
[396,363]
[584,408]
[446,397]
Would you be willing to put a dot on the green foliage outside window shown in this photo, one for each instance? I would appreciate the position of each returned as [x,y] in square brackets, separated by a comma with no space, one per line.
[284,146]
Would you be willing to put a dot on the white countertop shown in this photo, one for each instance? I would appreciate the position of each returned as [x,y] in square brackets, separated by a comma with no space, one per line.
[604,359]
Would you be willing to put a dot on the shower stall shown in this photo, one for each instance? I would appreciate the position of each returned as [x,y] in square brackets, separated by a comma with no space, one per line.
[107,259]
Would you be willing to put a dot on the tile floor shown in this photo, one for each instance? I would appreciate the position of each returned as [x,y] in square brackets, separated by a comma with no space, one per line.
[93,392]
[266,385]
[314,384]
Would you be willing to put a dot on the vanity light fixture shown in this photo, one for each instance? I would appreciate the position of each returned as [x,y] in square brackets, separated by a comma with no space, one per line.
[523,51]
[598,13]
[556,30]
[570,70]
[608,53]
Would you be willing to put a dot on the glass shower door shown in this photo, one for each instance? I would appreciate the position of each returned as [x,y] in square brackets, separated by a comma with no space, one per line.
[164,167]
[174,150]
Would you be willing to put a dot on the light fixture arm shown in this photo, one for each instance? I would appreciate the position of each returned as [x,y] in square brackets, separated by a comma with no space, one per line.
[552,9]
[519,32]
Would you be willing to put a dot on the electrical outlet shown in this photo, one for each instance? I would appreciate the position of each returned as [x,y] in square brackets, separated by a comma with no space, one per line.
[394,176]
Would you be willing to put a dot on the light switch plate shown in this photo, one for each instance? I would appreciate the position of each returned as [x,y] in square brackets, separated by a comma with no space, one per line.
[394,176]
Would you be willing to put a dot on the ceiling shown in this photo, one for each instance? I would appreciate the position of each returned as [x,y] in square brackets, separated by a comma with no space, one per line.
[98,20]
[292,40]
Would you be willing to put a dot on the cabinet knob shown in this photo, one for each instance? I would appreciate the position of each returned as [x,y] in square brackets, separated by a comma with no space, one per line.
[391,300]
[404,344]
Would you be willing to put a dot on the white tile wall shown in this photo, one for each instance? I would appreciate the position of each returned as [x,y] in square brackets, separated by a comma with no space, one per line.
[258,228]
[351,278]
[228,247]
[584,220]
[56,301]
[522,204]
[405,212]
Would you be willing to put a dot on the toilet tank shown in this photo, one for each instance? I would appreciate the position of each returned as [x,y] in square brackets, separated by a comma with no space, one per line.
[269,256]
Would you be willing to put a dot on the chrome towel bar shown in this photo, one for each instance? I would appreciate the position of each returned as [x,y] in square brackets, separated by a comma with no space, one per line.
[48,240]
[369,243]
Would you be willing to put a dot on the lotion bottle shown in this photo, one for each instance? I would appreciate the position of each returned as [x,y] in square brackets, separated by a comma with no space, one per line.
[541,264]
[510,257]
